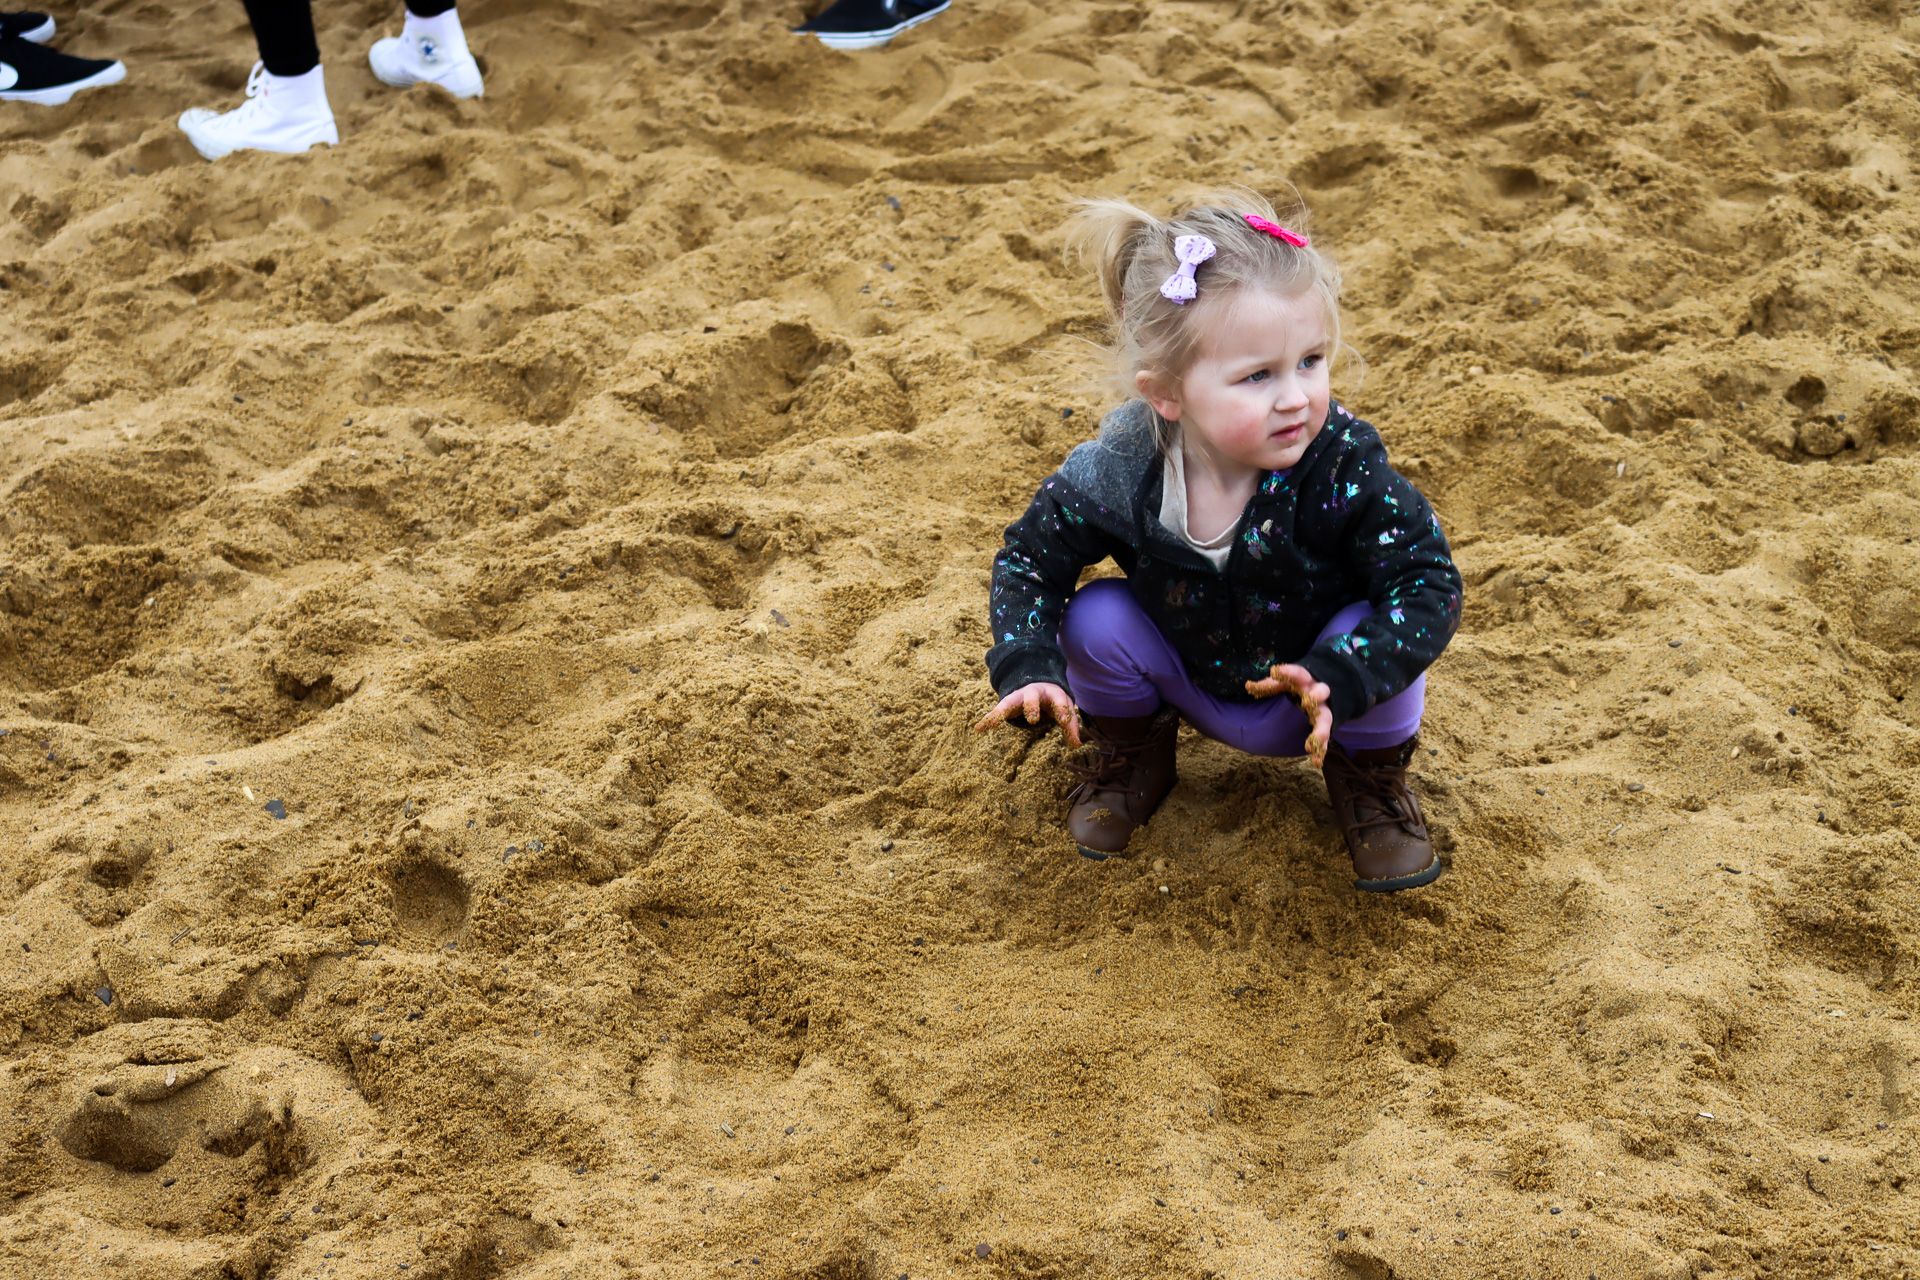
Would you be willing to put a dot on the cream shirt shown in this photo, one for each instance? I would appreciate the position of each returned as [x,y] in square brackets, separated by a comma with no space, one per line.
[1173,511]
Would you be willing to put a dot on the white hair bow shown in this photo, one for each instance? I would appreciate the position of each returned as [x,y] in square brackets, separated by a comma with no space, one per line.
[1192,251]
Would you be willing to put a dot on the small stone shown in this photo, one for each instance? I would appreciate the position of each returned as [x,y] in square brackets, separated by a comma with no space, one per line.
[1065,414]
[1636,786]
[1539,791]
[1162,1203]
[790,1129]
[886,266]
[919,941]
[1341,1234]
[1165,889]
[1554,1209]
[779,618]
[104,994]
[1881,1126]
[1673,644]
[983,1251]
[1478,370]
[277,809]
[893,202]
[1793,711]
[1824,1159]
[726,1128]
[579,1169]
[886,846]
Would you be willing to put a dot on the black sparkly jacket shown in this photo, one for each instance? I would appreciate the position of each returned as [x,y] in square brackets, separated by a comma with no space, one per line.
[1338,526]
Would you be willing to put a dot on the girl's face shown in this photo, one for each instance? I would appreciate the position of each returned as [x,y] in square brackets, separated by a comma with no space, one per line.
[1256,394]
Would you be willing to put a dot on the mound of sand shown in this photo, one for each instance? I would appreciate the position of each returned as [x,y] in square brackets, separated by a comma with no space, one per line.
[572,511]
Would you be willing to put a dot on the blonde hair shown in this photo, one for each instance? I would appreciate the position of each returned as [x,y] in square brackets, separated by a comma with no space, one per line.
[1133,254]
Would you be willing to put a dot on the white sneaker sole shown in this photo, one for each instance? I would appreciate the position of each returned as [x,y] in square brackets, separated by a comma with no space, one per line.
[40,34]
[59,93]
[873,39]
[213,148]
[462,81]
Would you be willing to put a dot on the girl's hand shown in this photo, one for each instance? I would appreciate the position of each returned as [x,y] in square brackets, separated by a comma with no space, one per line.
[1031,700]
[1291,678]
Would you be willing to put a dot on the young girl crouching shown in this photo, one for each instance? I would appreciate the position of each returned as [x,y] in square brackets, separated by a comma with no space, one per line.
[1268,546]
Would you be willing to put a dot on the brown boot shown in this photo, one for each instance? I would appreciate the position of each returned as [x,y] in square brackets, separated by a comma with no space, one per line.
[1386,832]
[1129,773]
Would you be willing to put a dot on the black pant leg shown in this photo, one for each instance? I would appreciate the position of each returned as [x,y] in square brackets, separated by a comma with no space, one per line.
[428,8]
[284,31]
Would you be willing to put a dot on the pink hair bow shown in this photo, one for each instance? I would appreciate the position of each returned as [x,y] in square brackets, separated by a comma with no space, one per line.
[1180,287]
[1275,230]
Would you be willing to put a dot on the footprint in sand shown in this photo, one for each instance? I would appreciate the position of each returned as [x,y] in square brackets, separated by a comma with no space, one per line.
[135,1117]
[430,902]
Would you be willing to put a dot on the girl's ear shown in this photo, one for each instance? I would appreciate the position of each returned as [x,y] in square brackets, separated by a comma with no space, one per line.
[1156,391]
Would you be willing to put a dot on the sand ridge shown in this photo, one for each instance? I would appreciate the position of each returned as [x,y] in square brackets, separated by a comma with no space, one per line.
[573,510]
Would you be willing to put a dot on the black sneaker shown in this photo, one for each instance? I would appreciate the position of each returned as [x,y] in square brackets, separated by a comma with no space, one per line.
[32,73]
[37,27]
[867,24]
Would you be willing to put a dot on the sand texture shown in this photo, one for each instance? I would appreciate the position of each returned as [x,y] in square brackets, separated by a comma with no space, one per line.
[572,511]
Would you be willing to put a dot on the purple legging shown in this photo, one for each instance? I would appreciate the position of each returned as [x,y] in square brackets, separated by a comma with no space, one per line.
[1119,664]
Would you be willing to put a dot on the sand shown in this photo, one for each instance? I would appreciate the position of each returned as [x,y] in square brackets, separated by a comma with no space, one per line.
[572,510]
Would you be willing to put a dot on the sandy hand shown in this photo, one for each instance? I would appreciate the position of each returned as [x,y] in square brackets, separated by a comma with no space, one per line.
[1031,701]
[1295,680]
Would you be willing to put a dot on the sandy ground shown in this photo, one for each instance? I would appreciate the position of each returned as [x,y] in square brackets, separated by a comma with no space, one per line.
[572,511]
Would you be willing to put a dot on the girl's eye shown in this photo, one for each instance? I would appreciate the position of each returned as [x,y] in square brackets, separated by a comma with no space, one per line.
[1311,361]
[1258,376]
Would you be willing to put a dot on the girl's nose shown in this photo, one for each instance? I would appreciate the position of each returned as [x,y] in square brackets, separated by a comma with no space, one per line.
[1291,397]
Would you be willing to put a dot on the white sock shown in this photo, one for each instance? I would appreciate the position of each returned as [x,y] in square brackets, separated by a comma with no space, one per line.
[299,91]
[443,29]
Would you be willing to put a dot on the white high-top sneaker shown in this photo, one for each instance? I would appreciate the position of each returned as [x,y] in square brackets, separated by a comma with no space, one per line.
[428,51]
[281,113]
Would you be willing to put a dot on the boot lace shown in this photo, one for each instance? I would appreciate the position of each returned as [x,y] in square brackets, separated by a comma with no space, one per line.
[1375,794]
[1104,770]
